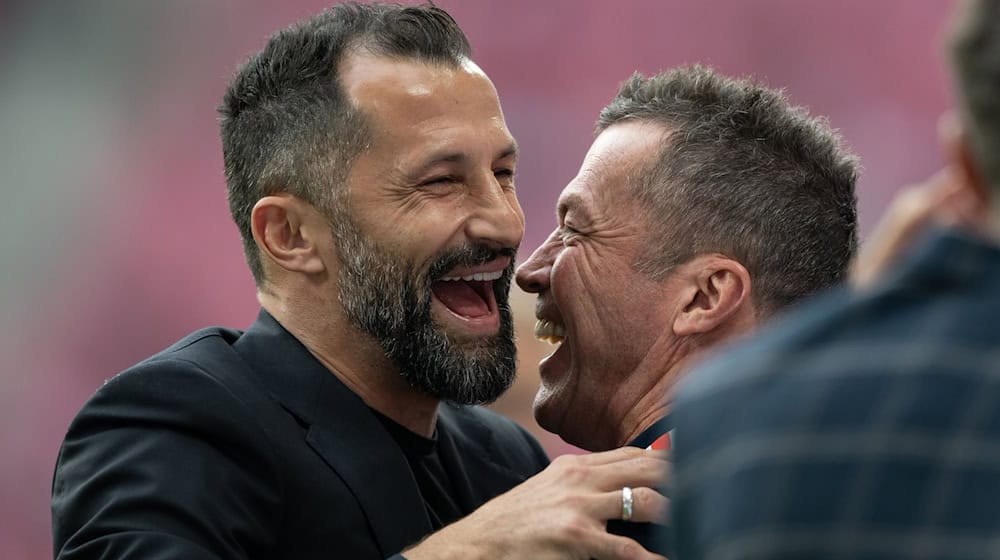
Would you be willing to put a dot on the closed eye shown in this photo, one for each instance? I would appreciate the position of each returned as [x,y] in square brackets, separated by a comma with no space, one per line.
[567,233]
[442,180]
[505,177]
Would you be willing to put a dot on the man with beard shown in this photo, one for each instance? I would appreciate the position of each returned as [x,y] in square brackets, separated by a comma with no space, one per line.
[370,173]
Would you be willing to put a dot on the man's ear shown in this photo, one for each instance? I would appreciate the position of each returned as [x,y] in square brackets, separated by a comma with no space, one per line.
[958,157]
[716,288]
[287,231]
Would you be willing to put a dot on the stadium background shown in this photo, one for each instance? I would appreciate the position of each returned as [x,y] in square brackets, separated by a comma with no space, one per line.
[115,238]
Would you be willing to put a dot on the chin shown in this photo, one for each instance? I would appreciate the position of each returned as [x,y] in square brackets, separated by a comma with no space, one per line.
[585,440]
[551,417]
[540,409]
[471,343]
[560,420]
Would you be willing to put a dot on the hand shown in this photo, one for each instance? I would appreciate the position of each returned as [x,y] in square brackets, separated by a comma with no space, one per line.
[940,200]
[560,512]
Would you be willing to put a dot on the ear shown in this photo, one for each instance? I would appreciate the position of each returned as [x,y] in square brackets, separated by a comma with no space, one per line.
[958,158]
[287,231]
[716,289]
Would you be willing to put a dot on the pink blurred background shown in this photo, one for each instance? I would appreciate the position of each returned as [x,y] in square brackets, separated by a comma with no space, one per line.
[116,238]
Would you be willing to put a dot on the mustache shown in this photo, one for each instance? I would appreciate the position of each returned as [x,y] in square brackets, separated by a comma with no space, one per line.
[466,255]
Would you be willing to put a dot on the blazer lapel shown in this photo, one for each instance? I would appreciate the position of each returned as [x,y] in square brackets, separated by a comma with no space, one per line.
[356,445]
[343,431]
[477,476]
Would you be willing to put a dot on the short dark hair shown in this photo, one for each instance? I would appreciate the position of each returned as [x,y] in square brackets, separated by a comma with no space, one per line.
[975,62]
[287,125]
[743,173]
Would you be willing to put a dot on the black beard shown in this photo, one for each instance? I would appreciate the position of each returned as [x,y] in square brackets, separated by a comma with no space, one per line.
[386,297]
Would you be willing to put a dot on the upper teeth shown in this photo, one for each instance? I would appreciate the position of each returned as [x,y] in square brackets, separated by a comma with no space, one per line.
[479,276]
[550,332]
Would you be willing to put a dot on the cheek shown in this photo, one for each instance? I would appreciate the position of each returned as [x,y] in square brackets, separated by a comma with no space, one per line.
[588,294]
[556,398]
[515,205]
[427,233]
[571,277]
[548,400]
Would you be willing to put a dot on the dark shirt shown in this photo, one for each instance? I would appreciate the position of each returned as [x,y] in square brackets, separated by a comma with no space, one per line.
[433,479]
[649,435]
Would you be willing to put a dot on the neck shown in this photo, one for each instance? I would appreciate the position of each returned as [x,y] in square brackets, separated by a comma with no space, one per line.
[654,402]
[638,398]
[354,357]
[645,420]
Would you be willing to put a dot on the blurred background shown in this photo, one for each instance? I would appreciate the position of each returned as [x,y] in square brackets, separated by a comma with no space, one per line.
[116,238]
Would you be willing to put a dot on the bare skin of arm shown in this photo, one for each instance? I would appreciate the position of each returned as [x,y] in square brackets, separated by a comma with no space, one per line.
[559,513]
[954,197]
[941,200]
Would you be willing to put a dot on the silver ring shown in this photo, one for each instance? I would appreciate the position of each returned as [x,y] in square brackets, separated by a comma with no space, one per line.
[626,503]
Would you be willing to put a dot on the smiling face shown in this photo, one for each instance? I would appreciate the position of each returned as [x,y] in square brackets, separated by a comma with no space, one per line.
[426,242]
[606,317]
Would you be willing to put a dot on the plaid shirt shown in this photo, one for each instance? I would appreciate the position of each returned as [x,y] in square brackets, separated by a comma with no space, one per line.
[861,426]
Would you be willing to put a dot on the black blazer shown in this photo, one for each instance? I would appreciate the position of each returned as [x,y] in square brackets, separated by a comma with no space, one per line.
[232,445]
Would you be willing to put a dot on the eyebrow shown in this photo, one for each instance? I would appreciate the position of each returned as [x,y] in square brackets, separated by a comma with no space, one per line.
[510,151]
[446,156]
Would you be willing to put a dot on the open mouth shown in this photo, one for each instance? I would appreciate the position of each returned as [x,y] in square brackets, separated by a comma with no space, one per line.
[469,297]
[548,331]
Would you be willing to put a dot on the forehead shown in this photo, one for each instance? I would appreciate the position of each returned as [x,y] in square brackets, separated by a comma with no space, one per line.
[617,157]
[401,94]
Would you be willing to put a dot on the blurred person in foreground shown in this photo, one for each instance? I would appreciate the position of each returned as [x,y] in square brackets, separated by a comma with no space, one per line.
[867,424]
[705,205]
[370,173]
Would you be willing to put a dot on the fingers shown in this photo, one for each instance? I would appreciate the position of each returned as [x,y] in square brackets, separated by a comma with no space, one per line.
[599,486]
[648,506]
[645,470]
[613,456]
[938,200]
[621,467]
[562,511]
[962,208]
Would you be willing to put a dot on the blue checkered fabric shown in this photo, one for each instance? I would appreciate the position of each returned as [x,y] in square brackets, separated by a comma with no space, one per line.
[861,426]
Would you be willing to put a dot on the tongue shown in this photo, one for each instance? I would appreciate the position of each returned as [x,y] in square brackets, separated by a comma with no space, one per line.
[461,298]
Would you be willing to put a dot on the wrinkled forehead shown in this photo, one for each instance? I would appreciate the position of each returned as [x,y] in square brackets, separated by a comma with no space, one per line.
[617,159]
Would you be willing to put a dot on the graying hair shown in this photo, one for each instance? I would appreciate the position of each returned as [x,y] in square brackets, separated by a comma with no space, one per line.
[286,124]
[745,174]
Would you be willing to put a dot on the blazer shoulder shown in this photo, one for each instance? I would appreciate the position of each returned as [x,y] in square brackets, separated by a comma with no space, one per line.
[199,385]
[154,439]
[205,358]
[204,349]
[197,390]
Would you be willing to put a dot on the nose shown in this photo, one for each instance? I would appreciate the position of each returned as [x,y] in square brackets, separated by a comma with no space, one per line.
[497,219]
[533,275]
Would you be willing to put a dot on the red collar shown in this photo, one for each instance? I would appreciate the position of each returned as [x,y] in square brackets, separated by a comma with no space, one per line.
[662,442]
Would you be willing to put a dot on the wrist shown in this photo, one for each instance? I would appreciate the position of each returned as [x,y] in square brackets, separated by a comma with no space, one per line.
[451,544]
